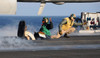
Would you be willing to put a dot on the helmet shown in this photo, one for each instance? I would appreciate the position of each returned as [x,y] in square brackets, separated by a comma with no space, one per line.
[73,15]
[45,20]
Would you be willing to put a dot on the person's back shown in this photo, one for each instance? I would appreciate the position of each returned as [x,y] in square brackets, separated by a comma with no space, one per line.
[68,24]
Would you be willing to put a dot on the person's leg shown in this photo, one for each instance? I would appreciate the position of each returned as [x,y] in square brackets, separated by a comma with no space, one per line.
[58,35]
[27,37]
[31,36]
[72,29]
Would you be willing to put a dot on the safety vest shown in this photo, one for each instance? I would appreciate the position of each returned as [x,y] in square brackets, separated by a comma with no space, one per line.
[45,30]
[68,25]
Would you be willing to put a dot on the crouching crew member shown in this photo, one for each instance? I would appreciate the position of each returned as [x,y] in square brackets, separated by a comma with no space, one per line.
[66,26]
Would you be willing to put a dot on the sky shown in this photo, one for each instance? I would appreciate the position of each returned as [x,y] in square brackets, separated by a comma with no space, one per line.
[31,9]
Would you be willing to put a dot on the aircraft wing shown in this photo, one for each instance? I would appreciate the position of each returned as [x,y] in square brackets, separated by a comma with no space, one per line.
[9,6]
[58,0]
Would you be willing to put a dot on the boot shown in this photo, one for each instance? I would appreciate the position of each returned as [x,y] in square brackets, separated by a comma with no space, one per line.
[66,36]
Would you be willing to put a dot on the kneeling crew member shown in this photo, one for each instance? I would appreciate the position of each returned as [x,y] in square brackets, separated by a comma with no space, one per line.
[45,28]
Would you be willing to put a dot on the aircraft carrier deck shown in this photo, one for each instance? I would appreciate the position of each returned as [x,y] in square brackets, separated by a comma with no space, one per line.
[74,47]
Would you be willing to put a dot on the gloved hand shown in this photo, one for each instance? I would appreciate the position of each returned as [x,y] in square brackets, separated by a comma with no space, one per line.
[50,19]
[84,23]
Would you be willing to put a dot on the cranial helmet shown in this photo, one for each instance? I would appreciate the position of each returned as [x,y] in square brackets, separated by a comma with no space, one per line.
[73,16]
[45,20]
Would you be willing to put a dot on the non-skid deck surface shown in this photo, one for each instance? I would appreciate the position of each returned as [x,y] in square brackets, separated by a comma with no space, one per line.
[80,47]
[52,54]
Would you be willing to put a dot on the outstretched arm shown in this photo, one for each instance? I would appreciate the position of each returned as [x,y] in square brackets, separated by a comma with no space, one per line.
[78,24]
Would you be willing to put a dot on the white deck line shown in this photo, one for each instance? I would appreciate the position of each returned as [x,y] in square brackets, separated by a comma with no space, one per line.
[60,47]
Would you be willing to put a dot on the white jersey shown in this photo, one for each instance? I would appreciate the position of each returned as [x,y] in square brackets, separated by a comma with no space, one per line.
[27,33]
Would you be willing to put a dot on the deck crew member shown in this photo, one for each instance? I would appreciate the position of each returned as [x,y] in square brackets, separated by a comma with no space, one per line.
[45,28]
[66,26]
